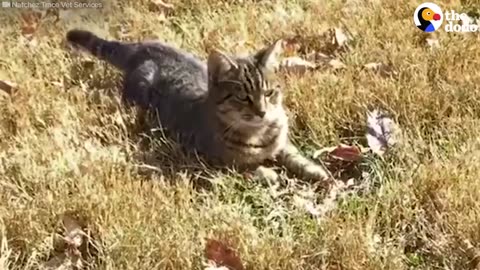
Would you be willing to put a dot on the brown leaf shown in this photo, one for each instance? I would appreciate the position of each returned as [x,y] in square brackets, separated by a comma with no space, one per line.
[8,87]
[291,47]
[30,21]
[222,255]
[346,152]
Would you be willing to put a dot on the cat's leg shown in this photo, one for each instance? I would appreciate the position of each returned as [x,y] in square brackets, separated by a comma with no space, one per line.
[137,86]
[304,168]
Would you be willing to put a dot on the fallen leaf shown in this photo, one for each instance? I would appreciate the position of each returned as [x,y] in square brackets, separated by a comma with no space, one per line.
[74,234]
[159,5]
[291,46]
[346,152]
[382,132]
[222,255]
[382,69]
[350,182]
[296,65]
[8,86]
[30,22]
[341,38]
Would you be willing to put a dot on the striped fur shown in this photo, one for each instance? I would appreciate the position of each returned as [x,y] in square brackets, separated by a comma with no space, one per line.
[228,109]
[113,52]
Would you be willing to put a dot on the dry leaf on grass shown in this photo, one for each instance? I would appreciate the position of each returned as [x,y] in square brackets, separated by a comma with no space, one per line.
[346,152]
[74,235]
[222,255]
[318,51]
[159,5]
[338,40]
[381,69]
[341,39]
[8,86]
[296,65]
[300,66]
[291,47]
[342,152]
[341,160]
[30,21]
[331,41]
[68,247]
[382,132]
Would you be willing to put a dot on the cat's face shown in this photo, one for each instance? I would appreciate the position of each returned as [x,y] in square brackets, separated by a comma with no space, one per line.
[244,89]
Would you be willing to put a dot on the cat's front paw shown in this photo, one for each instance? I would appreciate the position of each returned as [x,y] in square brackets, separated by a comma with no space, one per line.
[317,173]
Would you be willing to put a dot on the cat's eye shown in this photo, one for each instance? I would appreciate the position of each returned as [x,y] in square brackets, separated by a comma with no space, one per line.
[242,96]
[268,93]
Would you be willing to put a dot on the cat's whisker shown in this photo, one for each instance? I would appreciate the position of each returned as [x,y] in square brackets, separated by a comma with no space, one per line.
[229,129]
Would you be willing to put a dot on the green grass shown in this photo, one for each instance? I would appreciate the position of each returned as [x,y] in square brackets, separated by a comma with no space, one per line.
[68,146]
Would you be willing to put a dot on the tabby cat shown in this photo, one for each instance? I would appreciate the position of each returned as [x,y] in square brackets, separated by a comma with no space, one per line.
[228,109]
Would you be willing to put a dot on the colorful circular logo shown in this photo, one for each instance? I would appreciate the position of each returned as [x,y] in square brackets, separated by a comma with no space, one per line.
[428,17]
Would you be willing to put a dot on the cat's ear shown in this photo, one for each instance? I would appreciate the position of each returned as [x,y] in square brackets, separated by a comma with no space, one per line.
[218,63]
[269,57]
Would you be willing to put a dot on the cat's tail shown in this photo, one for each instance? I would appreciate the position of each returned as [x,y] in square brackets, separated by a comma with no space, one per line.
[114,52]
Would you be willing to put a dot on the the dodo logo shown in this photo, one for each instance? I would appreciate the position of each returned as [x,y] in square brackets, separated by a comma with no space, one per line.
[428,17]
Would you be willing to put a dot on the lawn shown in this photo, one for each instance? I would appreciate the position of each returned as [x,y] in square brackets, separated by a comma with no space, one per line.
[71,155]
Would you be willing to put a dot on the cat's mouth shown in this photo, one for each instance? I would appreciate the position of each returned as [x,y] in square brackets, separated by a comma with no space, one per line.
[247,117]
[253,120]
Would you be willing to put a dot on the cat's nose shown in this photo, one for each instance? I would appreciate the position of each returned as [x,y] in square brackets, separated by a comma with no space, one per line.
[261,113]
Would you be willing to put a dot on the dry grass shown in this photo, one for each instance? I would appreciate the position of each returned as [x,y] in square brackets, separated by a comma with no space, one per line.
[68,146]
